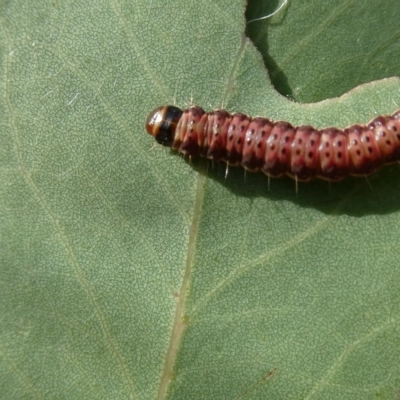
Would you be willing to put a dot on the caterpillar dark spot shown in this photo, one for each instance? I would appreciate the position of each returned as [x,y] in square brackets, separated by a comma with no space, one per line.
[278,148]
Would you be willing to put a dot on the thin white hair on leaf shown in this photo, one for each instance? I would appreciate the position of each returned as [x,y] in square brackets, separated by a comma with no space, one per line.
[270,15]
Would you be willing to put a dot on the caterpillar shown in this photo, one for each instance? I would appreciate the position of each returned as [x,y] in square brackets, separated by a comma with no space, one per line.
[278,148]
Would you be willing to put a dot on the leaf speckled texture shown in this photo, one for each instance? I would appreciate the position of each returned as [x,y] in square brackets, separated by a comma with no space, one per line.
[127,272]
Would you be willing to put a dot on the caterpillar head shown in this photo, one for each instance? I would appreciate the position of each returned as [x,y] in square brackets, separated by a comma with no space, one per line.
[161,123]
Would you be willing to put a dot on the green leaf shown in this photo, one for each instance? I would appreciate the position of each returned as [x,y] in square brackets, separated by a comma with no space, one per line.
[340,46]
[128,272]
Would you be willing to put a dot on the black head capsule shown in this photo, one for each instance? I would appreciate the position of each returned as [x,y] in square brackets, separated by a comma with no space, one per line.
[161,123]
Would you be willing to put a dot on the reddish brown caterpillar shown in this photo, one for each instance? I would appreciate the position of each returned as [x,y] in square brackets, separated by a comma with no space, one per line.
[278,148]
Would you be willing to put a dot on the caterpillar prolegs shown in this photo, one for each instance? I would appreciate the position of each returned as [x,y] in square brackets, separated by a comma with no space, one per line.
[278,148]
